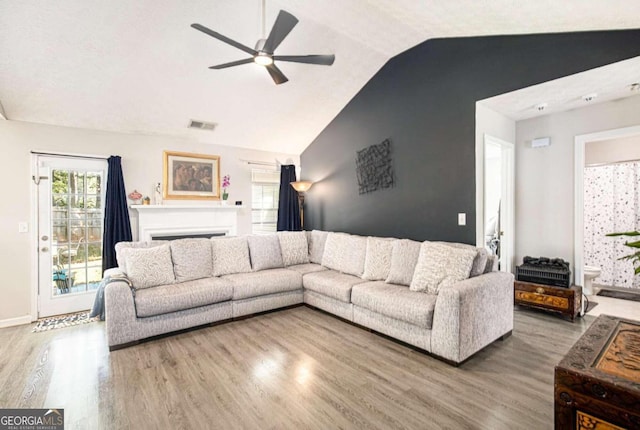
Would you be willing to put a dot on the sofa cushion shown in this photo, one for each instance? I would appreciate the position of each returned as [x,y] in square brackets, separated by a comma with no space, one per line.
[345,253]
[395,301]
[178,297]
[254,284]
[492,264]
[441,265]
[404,257]
[191,259]
[479,263]
[149,267]
[121,246]
[303,269]
[265,252]
[377,261]
[316,239]
[294,247]
[332,284]
[230,255]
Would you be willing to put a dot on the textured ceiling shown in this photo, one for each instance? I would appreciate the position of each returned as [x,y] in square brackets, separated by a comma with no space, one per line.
[137,66]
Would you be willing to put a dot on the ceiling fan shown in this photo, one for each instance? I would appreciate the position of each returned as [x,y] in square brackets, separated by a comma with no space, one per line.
[263,54]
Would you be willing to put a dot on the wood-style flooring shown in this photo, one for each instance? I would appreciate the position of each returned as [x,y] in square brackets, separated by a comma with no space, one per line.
[292,369]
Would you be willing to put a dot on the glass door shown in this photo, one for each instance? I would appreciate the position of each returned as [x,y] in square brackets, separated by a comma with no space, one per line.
[70,222]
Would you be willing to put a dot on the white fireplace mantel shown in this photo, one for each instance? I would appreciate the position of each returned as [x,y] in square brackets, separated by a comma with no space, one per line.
[156,221]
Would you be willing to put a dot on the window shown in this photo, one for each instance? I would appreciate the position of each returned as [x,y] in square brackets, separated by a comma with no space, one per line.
[265,191]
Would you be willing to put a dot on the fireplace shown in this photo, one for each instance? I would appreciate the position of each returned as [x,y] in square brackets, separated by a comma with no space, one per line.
[180,221]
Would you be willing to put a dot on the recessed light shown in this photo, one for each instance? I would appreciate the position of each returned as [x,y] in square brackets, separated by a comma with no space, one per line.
[541,106]
[635,87]
[589,97]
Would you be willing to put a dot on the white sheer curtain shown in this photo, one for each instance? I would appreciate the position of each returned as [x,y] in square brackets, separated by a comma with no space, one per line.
[611,203]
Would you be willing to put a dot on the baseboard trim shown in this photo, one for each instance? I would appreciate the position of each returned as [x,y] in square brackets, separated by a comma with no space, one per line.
[10,322]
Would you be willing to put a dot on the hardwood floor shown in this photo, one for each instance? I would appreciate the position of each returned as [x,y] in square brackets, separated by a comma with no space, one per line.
[297,368]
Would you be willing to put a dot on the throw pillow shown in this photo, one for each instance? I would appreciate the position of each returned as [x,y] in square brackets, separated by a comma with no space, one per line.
[191,259]
[404,257]
[345,253]
[294,247]
[149,267]
[440,266]
[265,252]
[378,258]
[121,246]
[230,255]
[479,263]
[317,240]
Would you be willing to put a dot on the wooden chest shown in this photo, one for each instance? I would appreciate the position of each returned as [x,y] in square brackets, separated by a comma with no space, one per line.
[565,301]
[597,384]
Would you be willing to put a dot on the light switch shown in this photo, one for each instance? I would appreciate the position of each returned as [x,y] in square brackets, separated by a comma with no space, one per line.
[462,219]
[23,227]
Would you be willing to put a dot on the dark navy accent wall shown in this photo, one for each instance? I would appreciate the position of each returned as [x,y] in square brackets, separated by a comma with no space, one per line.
[424,101]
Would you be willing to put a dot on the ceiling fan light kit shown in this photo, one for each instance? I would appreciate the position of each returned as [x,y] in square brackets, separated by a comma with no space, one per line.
[263,54]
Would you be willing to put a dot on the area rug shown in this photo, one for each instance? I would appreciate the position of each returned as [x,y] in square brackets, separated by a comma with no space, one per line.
[62,321]
[620,295]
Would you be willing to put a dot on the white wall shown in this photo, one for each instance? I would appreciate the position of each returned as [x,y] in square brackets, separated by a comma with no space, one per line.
[142,167]
[545,176]
[496,125]
[612,151]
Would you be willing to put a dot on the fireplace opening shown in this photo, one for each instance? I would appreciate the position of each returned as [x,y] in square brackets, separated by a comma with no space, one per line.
[175,236]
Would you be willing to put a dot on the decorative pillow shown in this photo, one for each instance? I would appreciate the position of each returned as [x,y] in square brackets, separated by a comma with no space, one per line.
[294,247]
[121,246]
[378,258]
[492,264]
[345,253]
[404,257]
[265,252]
[479,263]
[149,267]
[440,266]
[230,255]
[316,239]
[191,259]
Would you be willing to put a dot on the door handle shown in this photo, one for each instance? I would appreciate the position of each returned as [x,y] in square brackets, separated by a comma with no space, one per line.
[45,238]
[45,249]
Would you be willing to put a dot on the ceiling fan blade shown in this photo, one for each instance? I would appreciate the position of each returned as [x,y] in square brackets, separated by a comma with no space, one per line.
[277,75]
[281,28]
[233,63]
[324,60]
[224,39]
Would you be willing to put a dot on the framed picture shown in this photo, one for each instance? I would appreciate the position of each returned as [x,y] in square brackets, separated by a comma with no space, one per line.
[191,176]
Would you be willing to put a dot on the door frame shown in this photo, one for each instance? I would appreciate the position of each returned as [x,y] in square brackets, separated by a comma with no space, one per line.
[35,233]
[507,207]
[578,208]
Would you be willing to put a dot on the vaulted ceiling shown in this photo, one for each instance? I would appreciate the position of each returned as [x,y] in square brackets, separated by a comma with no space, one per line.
[138,66]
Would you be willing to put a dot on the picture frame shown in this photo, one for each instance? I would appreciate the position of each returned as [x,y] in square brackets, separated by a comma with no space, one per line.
[189,176]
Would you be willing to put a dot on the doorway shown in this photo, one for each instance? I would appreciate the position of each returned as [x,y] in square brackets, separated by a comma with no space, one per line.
[497,220]
[70,195]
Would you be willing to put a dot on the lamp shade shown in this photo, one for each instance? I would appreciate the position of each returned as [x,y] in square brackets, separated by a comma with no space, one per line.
[301,186]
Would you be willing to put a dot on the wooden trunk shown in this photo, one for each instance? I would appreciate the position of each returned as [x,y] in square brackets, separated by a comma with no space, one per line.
[597,384]
[566,301]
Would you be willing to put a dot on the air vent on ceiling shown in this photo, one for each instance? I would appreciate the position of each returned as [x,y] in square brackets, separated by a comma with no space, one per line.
[202,125]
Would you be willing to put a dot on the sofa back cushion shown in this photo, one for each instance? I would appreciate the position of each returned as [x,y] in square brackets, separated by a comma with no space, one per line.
[404,257]
[149,267]
[479,263]
[265,252]
[294,247]
[230,255]
[121,246]
[191,259]
[440,266]
[345,253]
[492,264]
[317,240]
[377,261]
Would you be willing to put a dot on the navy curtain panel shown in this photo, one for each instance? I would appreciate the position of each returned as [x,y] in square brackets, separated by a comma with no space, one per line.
[117,226]
[288,209]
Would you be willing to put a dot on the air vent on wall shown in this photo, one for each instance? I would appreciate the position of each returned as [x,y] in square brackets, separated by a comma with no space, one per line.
[202,125]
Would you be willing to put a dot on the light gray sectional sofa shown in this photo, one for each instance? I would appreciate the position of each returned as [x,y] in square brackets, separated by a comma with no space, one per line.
[445,298]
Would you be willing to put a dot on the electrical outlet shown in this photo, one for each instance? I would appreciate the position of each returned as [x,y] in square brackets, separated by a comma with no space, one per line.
[462,219]
[23,227]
